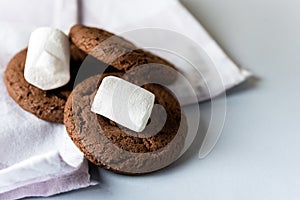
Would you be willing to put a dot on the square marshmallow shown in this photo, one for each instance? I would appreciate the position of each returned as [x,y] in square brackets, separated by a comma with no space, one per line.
[48,59]
[123,102]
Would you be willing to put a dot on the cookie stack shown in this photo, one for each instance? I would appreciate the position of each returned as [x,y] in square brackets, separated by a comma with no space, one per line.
[103,141]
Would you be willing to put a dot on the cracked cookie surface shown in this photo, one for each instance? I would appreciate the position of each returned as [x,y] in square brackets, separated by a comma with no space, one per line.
[116,148]
[122,54]
[47,105]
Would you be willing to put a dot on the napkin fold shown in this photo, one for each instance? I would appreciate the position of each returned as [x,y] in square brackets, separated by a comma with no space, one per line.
[37,158]
[169,30]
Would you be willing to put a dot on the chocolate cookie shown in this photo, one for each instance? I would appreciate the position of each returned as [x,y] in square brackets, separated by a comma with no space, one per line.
[122,54]
[118,149]
[47,105]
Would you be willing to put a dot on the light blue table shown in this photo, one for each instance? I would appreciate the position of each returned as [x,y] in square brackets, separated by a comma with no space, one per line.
[257,156]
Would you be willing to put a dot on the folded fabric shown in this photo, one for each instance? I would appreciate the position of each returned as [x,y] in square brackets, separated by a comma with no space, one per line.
[169,30]
[37,158]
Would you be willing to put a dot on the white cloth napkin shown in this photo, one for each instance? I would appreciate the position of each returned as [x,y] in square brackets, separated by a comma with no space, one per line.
[36,157]
[164,27]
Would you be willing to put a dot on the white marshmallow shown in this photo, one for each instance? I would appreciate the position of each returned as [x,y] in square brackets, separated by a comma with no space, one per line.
[48,59]
[123,102]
